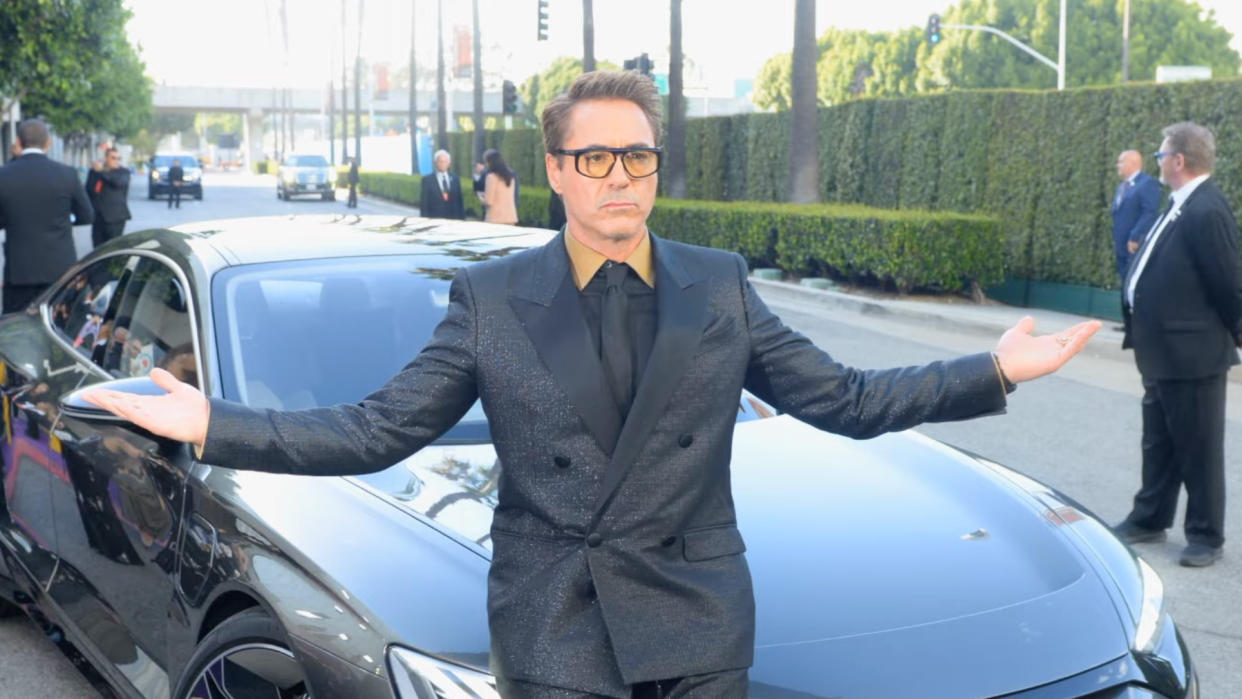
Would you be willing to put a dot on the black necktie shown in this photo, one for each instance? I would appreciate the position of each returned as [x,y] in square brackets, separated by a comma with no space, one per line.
[617,353]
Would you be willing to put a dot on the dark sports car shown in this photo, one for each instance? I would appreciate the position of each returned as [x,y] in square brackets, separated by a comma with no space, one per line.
[894,567]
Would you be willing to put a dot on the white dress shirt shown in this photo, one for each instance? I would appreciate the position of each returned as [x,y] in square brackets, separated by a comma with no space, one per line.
[1178,197]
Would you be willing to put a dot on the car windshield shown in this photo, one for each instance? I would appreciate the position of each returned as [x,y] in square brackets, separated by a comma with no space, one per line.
[167,160]
[306,161]
[312,333]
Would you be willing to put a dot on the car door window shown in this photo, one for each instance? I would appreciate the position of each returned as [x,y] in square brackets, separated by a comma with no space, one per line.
[80,309]
[152,326]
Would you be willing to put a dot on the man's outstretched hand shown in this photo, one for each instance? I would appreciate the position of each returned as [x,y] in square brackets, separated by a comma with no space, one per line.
[180,414]
[1023,356]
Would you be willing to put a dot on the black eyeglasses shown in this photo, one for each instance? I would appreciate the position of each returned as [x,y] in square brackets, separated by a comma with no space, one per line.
[597,163]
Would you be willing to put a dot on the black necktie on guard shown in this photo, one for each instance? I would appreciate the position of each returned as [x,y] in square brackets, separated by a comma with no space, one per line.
[617,350]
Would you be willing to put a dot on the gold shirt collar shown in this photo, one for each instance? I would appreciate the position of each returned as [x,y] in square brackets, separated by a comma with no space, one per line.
[586,262]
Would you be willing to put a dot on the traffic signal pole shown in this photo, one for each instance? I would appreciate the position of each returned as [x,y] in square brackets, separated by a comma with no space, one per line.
[1058,66]
[933,37]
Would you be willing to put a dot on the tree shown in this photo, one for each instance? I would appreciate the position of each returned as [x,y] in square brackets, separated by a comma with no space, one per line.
[804,112]
[477,72]
[539,89]
[871,64]
[675,144]
[115,97]
[411,79]
[1164,32]
[588,36]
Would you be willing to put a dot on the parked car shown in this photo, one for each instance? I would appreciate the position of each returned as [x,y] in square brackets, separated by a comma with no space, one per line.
[891,567]
[306,174]
[157,175]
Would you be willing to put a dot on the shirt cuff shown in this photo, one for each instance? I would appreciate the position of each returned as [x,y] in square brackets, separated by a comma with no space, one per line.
[1006,385]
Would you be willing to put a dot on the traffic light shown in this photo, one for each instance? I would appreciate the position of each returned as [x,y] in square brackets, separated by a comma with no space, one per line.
[642,64]
[543,20]
[510,98]
[933,29]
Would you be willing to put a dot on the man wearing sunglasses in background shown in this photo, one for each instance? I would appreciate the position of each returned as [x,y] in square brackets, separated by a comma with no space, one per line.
[611,364]
[1182,304]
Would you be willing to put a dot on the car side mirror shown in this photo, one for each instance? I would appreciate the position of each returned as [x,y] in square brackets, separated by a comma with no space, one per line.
[75,406]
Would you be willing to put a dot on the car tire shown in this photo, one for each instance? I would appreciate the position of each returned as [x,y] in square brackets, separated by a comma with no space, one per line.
[150,193]
[259,662]
[329,196]
[198,196]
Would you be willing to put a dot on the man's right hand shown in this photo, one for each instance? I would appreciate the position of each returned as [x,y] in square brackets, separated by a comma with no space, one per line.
[180,414]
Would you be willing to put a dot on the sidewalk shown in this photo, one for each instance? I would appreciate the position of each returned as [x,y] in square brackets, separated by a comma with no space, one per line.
[989,320]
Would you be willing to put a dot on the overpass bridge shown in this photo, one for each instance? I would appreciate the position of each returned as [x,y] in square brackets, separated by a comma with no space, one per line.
[255,104]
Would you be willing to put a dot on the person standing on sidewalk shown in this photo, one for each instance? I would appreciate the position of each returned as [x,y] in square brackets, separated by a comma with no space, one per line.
[1182,304]
[176,176]
[1135,206]
[37,197]
[441,191]
[108,188]
[353,183]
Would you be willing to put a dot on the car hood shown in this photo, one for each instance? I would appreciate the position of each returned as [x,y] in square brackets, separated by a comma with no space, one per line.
[867,557]
[898,562]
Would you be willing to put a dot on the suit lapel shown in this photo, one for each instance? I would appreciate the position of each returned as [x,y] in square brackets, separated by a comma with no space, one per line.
[681,312]
[544,297]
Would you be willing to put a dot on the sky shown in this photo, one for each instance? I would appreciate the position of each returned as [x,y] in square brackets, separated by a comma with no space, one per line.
[238,43]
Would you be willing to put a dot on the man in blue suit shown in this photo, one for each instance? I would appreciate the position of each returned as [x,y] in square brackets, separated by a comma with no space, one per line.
[1135,205]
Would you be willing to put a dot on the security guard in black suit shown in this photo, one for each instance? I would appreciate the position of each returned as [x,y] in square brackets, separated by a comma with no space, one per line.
[37,198]
[108,188]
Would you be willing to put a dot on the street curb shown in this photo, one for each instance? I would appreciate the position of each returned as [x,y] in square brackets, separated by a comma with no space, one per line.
[1107,346]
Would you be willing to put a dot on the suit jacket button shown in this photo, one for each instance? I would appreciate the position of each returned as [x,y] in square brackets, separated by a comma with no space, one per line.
[561,461]
[594,539]
[668,541]
[685,440]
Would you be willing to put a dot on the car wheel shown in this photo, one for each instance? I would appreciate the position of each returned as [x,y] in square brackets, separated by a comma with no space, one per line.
[198,196]
[329,196]
[150,193]
[245,656]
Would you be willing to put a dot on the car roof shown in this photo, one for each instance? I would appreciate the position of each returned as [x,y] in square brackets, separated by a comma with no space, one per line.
[305,237]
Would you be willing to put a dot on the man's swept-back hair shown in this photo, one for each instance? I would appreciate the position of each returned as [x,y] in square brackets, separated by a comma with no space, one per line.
[32,133]
[1196,144]
[600,85]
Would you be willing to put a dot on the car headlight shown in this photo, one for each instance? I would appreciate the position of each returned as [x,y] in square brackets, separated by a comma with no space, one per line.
[1146,633]
[155,174]
[288,175]
[418,676]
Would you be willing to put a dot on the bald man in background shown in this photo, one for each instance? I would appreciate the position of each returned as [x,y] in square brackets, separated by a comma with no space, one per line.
[1135,206]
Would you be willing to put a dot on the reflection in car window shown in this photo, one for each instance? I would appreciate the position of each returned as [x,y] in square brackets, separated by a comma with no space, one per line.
[184,160]
[80,309]
[315,333]
[151,327]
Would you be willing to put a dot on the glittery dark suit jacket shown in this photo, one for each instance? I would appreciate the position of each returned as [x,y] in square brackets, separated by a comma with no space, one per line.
[617,558]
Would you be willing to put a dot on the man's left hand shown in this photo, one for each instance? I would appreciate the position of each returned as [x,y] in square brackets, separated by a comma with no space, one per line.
[1023,356]
[1132,246]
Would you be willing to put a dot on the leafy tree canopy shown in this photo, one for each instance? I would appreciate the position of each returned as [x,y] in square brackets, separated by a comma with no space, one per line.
[870,64]
[539,89]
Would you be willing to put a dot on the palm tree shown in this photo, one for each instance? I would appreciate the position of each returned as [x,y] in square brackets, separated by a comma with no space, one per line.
[588,36]
[676,142]
[442,104]
[344,91]
[477,70]
[804,112]
[413,95]
[358,90]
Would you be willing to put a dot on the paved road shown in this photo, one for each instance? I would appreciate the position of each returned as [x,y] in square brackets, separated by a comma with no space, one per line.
[1077,431]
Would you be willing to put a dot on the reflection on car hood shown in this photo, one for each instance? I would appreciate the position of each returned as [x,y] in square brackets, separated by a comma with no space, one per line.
[867,557]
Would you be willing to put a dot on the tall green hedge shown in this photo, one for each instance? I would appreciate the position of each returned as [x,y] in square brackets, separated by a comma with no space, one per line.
[908,249]
[1041,162]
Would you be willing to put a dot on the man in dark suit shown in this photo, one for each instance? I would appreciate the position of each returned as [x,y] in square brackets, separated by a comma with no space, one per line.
[176,178]
[1182,303]
[37,198]
[441,194]
[1135,206]
[610,363]
[108,188]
